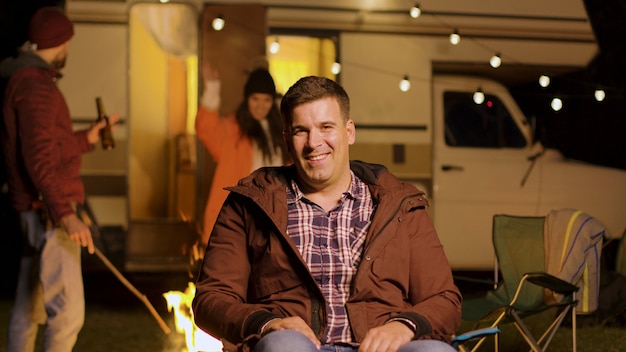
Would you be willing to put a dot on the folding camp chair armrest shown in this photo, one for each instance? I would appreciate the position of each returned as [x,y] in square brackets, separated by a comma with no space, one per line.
[551,282]
[474,334]
[545,280]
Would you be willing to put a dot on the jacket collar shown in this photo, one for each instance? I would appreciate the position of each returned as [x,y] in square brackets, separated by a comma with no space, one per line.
[24,59]
[267,184]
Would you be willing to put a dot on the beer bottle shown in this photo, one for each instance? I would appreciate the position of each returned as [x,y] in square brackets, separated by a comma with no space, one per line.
[106,137]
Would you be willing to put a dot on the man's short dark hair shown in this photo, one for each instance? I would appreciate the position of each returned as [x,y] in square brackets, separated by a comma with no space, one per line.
[309,89]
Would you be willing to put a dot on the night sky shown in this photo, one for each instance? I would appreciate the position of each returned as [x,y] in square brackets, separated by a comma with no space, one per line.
[586,129]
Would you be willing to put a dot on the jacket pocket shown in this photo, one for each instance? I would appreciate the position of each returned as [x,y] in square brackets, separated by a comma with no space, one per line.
[274,285]
[392,265]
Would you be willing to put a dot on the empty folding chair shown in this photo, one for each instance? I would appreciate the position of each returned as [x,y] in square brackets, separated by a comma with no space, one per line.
[519,246]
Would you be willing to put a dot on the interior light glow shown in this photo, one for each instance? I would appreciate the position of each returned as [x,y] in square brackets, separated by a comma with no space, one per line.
[556,104]
[335,68]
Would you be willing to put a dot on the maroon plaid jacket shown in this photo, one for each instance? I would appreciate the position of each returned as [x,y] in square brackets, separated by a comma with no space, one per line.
[42,152]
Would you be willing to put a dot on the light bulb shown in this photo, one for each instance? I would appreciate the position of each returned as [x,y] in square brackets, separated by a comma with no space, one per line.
[455,38]
[218,23]
[275,46]
[164,1]
[405,84]
[495,61]
[544,80]
[415,11]
[335,68]
[479,96]
[599,94]
[556,104]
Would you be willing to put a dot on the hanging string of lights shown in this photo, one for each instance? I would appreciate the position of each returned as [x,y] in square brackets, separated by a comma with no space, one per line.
[496,61]
[415,11]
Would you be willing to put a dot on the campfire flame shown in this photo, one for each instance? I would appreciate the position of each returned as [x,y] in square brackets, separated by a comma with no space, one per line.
[196,340]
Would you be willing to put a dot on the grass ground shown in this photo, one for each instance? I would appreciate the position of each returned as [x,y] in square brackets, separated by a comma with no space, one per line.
[117,321]
[589,339]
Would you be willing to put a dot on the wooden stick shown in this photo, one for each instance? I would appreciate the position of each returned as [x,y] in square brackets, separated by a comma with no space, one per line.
[87,219]
[134,290]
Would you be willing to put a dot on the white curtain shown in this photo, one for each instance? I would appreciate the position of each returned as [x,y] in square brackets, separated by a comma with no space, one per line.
[173,26]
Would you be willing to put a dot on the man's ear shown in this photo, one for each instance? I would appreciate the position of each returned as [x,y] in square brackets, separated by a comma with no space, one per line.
[351,129]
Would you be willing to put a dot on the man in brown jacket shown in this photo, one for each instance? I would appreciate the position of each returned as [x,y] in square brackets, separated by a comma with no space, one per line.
[328,254]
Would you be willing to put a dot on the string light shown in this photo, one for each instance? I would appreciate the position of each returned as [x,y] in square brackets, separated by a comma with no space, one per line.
[275,46]
[455,38]
[218,23]
[599,94]
[495,61]
[415,11]
[544,81]
[479,96]
[405,84]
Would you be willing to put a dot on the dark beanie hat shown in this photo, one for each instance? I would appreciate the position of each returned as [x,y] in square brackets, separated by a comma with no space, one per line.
[260,81]
[49,27]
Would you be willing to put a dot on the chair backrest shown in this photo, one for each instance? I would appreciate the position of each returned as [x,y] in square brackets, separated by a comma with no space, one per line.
[519,246]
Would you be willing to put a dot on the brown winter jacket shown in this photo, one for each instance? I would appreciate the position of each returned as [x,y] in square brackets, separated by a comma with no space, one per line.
[252,271]
[42,152]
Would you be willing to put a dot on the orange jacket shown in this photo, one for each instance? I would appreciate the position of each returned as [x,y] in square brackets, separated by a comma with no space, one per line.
[231,151]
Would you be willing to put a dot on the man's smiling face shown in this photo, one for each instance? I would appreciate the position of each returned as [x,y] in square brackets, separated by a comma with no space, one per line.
[319,140]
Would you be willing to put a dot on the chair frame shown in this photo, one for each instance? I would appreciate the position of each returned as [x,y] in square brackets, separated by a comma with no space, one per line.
[546,281]
[509,313]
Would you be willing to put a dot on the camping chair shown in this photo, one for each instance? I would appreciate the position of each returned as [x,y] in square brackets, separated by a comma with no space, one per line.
[519,245]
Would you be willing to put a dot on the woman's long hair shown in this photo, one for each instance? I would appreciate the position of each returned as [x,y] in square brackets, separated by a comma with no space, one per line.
[251,128]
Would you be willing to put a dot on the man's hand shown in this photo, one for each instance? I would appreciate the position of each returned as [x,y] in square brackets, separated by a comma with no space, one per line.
[93,135]
[293,323]
[386,338]
[78,232]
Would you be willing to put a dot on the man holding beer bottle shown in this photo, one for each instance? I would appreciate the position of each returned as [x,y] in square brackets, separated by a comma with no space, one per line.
[43,157]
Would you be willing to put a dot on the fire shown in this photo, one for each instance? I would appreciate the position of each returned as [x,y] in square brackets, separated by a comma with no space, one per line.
[196,340]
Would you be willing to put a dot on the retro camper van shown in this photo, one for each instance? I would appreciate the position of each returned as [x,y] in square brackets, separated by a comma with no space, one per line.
[473,160]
